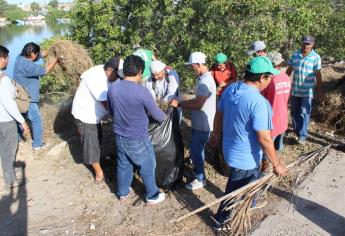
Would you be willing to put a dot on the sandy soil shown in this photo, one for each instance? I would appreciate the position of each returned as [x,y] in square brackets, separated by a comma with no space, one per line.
[60,197]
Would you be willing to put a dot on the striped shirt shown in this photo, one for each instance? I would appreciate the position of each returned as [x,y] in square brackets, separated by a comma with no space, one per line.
[304,78]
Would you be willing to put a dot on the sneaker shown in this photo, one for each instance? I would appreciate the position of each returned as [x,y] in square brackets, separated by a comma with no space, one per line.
[124,198]
[196,184]
[302,141]
[221,227]
[160,198]
[44,145]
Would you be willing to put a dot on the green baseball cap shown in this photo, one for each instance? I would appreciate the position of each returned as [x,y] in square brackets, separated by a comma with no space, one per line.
[261,65]
[220,58]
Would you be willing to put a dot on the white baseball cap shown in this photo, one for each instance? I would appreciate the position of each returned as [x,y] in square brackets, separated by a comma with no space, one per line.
[257,46]
[196,58]
[157,66]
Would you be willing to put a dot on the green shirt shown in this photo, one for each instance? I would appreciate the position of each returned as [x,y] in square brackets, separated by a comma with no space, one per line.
[146,55]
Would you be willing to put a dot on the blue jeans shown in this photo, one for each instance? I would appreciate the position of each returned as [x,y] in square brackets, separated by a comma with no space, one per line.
[300,113]
[34,116]
[199,140]
[140,153]
[237,179]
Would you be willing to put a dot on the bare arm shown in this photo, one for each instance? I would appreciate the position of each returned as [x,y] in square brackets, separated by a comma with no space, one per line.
[266,142]
[44,53]
[289,70]
[217,123]
[318,80]
[50,66]
[195,104]
[318,88]
[217,126]
[105,105]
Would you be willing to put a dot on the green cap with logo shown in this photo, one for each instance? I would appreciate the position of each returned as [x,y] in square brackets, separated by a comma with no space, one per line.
[220,58]
[261,65]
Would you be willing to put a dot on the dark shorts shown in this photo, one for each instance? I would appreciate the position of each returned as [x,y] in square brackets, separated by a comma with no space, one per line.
[90,137]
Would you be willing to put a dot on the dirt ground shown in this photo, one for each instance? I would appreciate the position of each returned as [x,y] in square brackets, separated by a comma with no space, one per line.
[60,197]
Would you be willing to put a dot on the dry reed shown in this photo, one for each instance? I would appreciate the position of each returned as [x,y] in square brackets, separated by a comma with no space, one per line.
[239,202]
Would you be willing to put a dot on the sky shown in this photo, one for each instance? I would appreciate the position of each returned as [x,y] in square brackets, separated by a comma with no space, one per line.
[30,1]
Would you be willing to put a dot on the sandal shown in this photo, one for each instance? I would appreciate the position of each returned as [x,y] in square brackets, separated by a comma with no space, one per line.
[99,181]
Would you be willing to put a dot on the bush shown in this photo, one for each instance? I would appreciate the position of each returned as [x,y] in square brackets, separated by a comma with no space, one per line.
[173,29]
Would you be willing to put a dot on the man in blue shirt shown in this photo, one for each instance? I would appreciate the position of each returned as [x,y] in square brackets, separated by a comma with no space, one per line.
[27,73]
[130,103]
[246,119]
[306,67]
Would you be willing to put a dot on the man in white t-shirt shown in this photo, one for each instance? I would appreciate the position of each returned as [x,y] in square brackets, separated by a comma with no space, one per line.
[90,106]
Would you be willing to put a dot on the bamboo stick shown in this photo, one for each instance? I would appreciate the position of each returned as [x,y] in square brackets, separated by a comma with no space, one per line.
[258,183]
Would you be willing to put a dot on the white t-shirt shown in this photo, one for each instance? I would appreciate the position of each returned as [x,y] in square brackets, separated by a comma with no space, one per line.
[92,90]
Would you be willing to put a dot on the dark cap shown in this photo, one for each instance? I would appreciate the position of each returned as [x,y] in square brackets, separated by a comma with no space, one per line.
[308,39]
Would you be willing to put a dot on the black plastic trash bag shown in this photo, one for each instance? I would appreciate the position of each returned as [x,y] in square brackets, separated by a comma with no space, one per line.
[168,146]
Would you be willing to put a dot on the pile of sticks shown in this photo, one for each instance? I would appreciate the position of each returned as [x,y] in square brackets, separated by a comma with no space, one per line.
[239,202]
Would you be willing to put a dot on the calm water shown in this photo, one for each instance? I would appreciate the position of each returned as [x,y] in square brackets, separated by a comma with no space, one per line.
[15,37]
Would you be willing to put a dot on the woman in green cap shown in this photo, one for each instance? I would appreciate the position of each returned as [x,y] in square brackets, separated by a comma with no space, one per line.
[223,72]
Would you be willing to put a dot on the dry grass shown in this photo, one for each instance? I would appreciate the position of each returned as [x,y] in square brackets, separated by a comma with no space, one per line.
[332,109]
[73,61]
[239,202]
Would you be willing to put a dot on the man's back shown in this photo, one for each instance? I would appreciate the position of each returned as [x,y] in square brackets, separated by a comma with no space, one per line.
[92,90]
[245,112]
[27,73]
[130,103]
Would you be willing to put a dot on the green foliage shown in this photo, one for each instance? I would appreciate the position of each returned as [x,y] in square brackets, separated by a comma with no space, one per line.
[49,84]
[55,13]
[35,7]
[11,11]
[53,3]
[15,13]
[173,29]
[332,40]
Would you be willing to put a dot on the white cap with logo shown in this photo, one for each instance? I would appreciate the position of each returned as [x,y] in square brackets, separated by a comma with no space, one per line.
[196,58]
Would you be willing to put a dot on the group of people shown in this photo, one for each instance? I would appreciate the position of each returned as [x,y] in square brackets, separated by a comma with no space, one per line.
[248,115]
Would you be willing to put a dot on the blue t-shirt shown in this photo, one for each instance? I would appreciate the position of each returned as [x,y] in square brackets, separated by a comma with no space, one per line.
[27,74]
[245,111]
[130,104]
